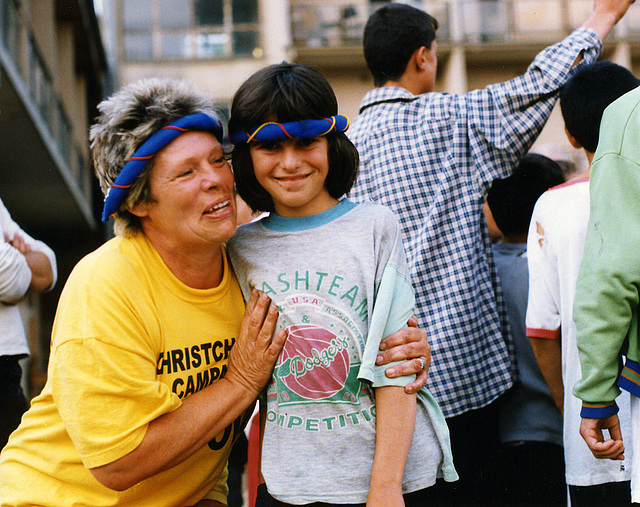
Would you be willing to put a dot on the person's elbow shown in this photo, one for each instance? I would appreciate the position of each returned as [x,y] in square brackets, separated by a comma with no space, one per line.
[113,479]
[42,277]
[42,282]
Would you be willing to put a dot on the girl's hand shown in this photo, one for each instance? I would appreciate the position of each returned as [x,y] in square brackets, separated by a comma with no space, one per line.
[254,354]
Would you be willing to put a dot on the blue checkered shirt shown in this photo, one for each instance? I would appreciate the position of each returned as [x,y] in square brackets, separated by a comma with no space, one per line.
[431,158]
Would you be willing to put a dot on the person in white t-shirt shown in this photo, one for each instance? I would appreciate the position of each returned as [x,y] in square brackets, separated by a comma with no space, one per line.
[555,246]
[26,265]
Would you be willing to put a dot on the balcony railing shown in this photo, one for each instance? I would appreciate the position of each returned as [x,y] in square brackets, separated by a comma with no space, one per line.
[328,24]
[37,79]
[317,24]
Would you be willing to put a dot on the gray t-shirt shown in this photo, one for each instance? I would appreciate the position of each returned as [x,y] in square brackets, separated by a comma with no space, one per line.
[340,282]
[528,412]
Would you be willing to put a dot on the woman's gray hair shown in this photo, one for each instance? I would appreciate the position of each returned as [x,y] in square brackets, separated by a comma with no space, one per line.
[126,120]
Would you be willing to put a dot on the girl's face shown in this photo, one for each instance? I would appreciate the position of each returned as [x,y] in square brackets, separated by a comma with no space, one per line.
[293,172]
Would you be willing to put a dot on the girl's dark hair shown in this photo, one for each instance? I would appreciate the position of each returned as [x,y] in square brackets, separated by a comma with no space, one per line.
[288,92]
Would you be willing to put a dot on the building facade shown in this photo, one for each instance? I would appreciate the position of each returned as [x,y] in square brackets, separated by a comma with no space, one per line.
[216,44]
[53,71]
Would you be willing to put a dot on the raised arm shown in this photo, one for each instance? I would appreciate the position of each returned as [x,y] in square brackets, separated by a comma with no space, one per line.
[515,111]
[605,15]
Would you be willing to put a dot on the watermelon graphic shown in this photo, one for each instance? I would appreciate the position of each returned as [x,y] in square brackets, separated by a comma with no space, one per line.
[314,364]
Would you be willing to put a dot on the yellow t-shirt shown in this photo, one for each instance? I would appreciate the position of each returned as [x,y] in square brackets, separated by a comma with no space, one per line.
[129,342]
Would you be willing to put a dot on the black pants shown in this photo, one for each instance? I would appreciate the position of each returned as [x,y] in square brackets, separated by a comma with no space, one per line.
[611,494]
[425,498]
[475,444]
[13,402]
[533,474]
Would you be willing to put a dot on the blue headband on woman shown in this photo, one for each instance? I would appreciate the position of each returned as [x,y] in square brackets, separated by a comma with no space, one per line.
[139,160]
[272,131]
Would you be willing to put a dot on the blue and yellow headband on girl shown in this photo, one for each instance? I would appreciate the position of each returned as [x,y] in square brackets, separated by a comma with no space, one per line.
[303,129]
[139,160]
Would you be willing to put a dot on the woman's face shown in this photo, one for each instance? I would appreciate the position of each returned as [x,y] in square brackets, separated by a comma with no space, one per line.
[294,171]
[192,188]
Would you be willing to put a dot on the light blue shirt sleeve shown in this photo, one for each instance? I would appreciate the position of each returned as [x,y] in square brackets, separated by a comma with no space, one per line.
[393,307]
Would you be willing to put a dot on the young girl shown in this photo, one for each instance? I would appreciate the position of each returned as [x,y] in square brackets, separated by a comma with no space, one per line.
[336,430]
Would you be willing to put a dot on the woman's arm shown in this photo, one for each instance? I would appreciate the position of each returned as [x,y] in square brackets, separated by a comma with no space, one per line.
[395,421]
[175,436]
[410,344]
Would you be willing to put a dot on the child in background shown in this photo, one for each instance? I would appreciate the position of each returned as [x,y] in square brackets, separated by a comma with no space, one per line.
[336,431]
[530,423]
[555,247]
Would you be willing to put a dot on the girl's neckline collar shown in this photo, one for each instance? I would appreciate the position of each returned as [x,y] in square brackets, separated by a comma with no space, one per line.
[276,222]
